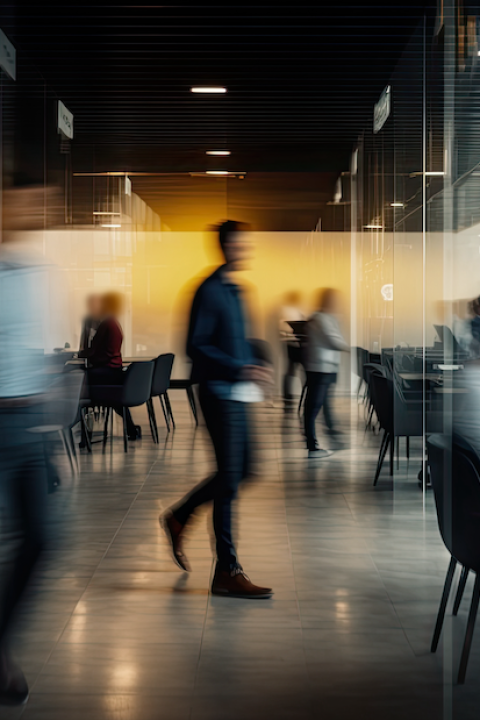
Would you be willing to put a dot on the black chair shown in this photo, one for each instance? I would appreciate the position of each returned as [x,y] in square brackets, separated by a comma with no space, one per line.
[369,369]
[187,385]
[455,477]
[135,391]
[160,385]
[62,412]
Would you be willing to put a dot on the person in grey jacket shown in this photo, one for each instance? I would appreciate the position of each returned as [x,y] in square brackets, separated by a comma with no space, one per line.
[322,359]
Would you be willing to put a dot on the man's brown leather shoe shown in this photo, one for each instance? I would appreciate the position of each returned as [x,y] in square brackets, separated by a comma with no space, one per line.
[173,531]
[235,583]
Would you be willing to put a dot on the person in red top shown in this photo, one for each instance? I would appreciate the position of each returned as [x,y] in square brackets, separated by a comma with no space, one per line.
[104,356]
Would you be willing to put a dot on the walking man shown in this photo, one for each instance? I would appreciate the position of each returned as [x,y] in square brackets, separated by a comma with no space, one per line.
[228,376]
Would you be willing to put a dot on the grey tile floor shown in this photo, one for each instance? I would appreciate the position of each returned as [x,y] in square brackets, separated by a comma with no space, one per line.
[110,629]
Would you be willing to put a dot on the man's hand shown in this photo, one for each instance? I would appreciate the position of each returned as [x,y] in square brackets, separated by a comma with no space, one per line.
[261,374]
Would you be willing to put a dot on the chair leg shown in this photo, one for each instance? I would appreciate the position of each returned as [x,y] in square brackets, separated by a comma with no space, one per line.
[460,590]
[392,454]
[125,433]
[169,407]
[85,432]
[193,405]
[68,451]
[443,604]
[152,419]
[105,429]
[74,449]
[381,457]
[472,616]
[408,448]
[162,405]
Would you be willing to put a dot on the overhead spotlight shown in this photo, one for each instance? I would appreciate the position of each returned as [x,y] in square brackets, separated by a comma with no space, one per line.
[218,152]
[208,90]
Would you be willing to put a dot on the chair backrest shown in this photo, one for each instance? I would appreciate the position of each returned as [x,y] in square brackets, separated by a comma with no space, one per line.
[162,373]
[137,385]
[382,399]
[456,485]
[63,399]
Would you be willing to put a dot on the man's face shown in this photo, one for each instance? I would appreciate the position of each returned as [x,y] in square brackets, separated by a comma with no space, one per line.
[238,251]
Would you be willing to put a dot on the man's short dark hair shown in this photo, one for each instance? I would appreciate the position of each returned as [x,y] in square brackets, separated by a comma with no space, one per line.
[226,229]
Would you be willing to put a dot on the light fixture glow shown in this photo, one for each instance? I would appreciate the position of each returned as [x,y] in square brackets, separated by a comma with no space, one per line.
[434,173]
[397,204]
[218,152]
[387,292]
[208,90]
[217,172]
[373,227]
[100,212]
[110,225]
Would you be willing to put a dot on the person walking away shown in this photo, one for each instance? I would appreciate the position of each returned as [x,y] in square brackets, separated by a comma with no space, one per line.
[227,373]
[322,360]
[290,312]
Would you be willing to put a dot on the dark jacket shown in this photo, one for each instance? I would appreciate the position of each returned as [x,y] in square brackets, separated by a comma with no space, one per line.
[217,341]
[105,350]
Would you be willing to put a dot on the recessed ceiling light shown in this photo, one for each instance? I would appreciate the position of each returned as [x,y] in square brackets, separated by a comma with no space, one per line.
[208,89]
[218,152]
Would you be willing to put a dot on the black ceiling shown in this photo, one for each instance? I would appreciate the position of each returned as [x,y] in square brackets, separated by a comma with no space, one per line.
[301,79]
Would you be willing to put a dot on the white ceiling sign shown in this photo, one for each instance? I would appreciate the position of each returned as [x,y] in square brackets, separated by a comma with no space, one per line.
[65,120]
[7,56]
[381,111]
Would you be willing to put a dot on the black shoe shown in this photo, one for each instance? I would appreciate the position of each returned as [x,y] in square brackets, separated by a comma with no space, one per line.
[138,434]
[13,685]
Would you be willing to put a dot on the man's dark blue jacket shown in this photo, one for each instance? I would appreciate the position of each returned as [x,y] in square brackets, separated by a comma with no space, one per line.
[217,342]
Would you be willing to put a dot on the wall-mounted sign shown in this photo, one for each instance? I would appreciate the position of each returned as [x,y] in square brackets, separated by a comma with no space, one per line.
[381,111]
[65,120]
[128,186]
[7,56]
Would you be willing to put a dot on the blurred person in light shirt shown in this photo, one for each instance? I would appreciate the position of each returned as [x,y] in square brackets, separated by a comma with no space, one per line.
[23,482]
[291,312]
[324,344]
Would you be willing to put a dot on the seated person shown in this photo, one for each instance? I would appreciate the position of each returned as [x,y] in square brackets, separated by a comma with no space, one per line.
[104,356]
[91,321]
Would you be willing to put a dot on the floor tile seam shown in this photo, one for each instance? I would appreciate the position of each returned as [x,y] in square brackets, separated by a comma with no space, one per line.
[68,620]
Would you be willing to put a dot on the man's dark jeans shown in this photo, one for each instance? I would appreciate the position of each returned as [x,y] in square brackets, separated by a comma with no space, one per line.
[318,385]
[226,422]
[23,494]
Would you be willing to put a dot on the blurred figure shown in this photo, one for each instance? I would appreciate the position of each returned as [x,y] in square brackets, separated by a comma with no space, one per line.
[322,359]
[23,481]
[91,321]
[104,356]
[225,368]
[290,312]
